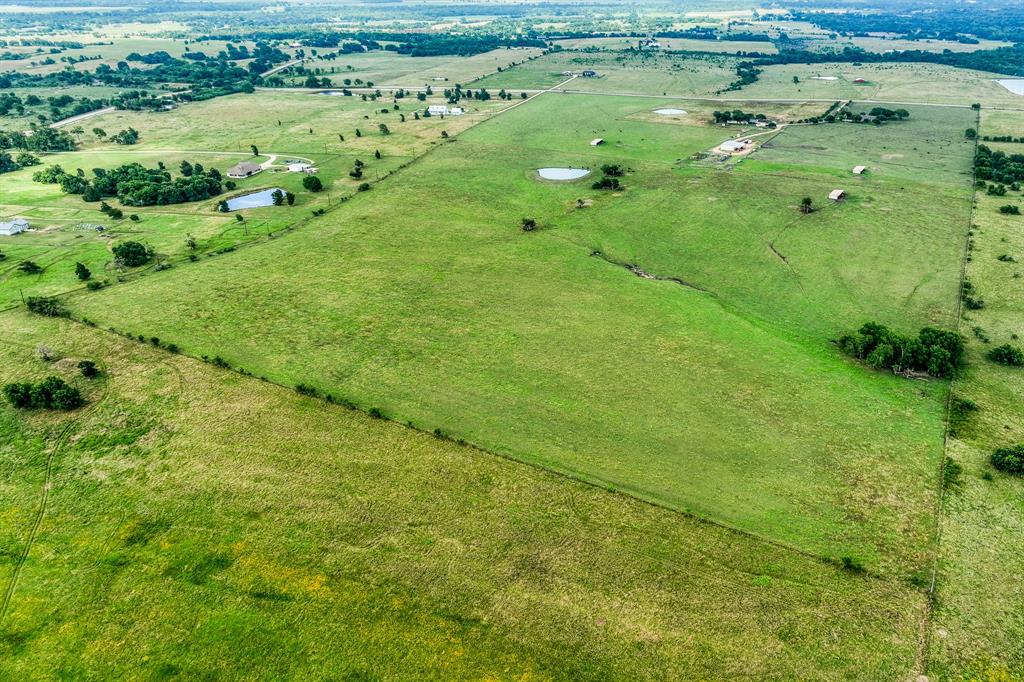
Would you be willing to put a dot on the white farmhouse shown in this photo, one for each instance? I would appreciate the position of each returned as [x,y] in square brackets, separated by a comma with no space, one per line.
[437,110]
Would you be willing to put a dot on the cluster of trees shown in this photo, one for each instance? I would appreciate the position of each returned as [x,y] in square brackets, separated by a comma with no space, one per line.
[935,351]
[46,306]
[37,139]
[135,185]
[876,116]
[10,163]
[52,393]
[127,136]
[998,165]
[747,72]
[737,116]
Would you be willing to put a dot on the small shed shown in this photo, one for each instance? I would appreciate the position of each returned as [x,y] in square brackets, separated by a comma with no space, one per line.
[12,227]
[590,73]
[456,111]
[597,142]
[837,195]
[244,170]
[859,170]
[301,167]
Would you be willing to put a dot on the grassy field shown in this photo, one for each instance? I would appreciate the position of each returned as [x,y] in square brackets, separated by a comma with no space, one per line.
[278,123]
[649,73]
[431,316]
[392,69]
[930,83]
[673,44]
[977,631]
[205,524]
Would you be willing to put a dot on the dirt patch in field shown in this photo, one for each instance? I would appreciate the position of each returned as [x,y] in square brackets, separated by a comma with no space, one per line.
[890,157]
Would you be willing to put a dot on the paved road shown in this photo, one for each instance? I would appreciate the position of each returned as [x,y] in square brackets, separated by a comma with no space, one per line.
[81,117]
[274,70]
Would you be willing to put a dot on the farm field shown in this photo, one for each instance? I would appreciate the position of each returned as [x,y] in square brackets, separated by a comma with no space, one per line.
[172,526]
[470,335]
[673,44]
[392,69]
[980,567]
[64,224]
[931,83]
[669,371]
[651,74]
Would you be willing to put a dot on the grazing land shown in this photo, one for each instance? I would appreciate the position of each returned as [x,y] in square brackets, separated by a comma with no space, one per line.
[511,342]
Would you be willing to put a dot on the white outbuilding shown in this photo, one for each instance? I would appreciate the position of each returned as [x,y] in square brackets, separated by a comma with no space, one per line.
[437,110]
[10,228]
[859,170]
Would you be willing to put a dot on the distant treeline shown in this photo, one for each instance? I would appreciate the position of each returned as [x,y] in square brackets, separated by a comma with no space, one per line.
[413,44]
[995,20]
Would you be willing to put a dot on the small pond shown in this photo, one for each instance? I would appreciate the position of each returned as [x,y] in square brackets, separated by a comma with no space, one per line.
[254,199]
[562,173]
[331,93]
[669,112]
[1014,85]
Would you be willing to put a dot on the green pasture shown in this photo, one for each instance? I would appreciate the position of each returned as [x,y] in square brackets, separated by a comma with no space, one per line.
[201,523]
[454,319]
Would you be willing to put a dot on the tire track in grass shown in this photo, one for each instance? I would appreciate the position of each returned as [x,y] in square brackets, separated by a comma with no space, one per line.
[44,499]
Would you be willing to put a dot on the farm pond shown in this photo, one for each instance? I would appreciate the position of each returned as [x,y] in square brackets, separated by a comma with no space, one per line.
[562,173]
[254,199]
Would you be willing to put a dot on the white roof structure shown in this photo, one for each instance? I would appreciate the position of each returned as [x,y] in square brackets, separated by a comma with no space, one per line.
[837,195]
[597,141]
[456,111]
[858,170]
[301,167]
[13,227]
[733,145]
[437,109]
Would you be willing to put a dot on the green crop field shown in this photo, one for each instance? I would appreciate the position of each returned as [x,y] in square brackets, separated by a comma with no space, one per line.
[440,414]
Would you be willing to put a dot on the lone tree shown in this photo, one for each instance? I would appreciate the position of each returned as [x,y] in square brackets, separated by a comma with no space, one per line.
[82,272]
[277,196]
[528,224]
[132,254]
[289,198]
[312,183]
[806,205]
[970,133]
[30,267]
[255,150]
[383,127]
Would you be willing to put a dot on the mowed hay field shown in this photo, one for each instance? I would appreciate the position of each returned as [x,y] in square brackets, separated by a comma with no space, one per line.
[425,300]
[204,524]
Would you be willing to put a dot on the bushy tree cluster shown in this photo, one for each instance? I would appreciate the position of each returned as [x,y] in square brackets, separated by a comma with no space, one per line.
[737,116]
[998,166]
[876,116]
[1007,355]
[132,253]
[935,351]
[1010,460]
[135,185]
[52,393]
[37,139]
[9,163]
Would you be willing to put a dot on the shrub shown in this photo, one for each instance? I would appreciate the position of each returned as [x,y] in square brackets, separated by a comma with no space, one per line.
[94,284]
[365,187]
[528,224]
[1010,460]
[305,389]
[1009,209]
[312,183]
[45,305]
[83,273]
[29,267]
[88,369]
[852,564]
[606,183]
[951,471]
[1007,355]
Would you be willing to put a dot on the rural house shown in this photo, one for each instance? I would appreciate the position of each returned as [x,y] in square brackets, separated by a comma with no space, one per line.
[244,170]
[437,110]
[13,227]
[837,195]
[300,167]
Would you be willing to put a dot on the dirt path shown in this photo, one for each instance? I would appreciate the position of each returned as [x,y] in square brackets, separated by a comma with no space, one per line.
[82,117]
[44,499]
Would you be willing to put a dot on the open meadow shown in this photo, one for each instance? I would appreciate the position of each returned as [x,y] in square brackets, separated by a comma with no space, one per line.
[492,342]
[468,346]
